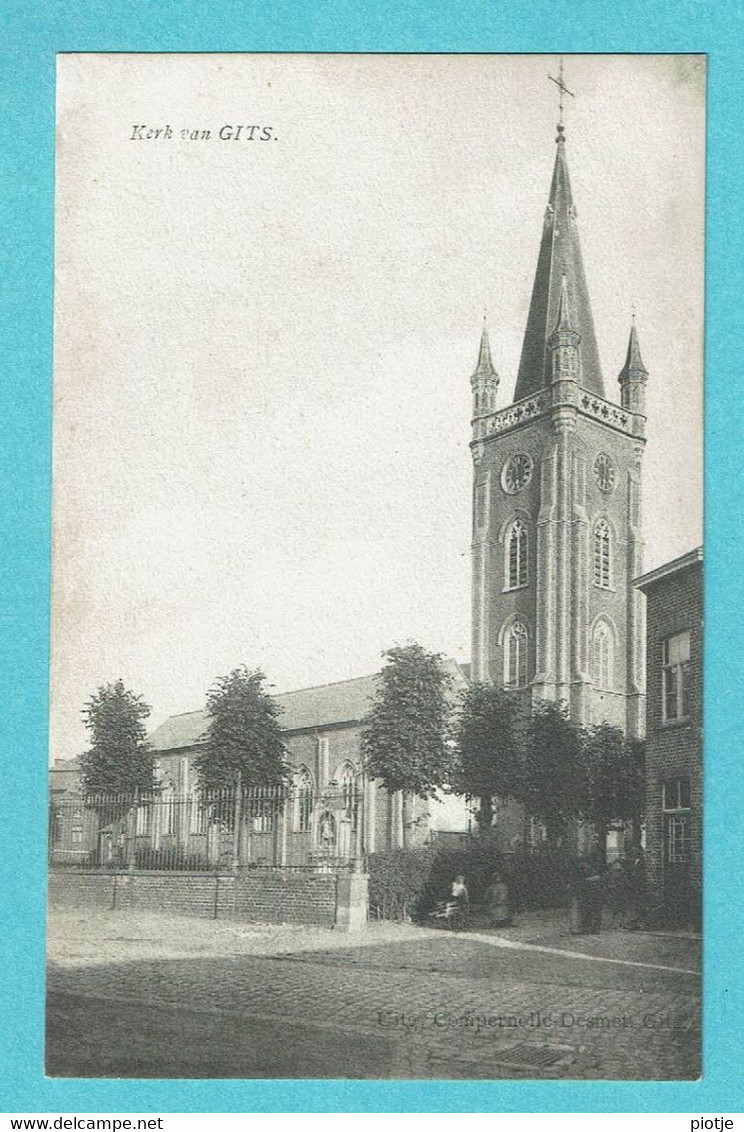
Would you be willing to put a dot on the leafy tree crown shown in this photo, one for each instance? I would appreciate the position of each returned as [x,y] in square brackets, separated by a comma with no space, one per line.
[489,757]
[615,776]
[119,759]
[243,735]
[404,735]
[554,764]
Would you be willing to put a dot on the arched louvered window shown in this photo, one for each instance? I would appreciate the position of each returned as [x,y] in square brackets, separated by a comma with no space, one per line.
[303,800]
[516,641]
[517,555]
[603,659]
[602,555]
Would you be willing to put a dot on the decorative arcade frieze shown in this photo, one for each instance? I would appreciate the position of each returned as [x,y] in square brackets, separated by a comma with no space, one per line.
[530,408]
[516,414]
[605,412]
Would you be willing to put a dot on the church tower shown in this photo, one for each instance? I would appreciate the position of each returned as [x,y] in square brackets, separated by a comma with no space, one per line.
[557,500]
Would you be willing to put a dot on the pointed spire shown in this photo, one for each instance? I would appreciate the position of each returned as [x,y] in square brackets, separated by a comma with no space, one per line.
[485,365]
[633,378]
[484,381]
[633,361]
[559,259]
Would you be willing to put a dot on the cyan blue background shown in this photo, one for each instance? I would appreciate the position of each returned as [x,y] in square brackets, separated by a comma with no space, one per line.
[31,34]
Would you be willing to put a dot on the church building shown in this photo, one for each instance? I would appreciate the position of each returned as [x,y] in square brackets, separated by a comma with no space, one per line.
[332,812]
[557,538]
[556,546]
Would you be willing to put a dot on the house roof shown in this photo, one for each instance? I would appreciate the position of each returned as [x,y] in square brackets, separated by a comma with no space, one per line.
[346,701]
[692,558]
[64,775]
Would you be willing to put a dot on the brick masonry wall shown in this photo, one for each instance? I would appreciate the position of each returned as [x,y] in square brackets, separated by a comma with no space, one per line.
[268,896]
[673,749]
[258,897]
[76,889]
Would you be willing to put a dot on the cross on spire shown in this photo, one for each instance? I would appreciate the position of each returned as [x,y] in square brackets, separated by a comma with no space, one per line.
[562,89]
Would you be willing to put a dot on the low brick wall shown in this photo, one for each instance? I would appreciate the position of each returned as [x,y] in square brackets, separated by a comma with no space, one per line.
[265,896]
[279,897]
[77,889]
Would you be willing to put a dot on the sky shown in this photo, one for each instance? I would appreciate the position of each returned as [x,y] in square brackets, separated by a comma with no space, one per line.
[263,347]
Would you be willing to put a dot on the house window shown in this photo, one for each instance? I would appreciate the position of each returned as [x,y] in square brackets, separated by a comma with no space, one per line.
[516,555]
[603,656]
[675,691]
[303,800]
[515,655]
[676,795]
[55,825]
[675,802]
[602,538]
[537,834]
[678,839]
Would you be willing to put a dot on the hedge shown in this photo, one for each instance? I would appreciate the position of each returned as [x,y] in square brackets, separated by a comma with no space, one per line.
[408,883]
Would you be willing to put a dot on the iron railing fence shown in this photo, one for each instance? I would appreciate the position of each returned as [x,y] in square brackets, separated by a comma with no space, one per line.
[261,827]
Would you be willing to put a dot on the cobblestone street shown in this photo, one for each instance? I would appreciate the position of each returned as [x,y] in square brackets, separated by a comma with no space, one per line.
[151,996]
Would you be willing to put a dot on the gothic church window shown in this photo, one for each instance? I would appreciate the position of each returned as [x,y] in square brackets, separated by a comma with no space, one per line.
[603,656]
[517,547]
[169,804]
[197,815]
[347,781]
[515,655]
[303,800]
[143,822]
[602,555]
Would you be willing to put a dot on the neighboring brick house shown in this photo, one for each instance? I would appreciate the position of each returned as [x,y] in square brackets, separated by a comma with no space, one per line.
[674,769]
[335,810]
[73,827]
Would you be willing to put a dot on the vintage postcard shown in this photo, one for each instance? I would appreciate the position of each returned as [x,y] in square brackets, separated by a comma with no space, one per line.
[376,691]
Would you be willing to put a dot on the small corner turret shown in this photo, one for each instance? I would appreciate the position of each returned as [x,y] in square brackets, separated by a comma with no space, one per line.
[564,342]
[632,380]
[485,380]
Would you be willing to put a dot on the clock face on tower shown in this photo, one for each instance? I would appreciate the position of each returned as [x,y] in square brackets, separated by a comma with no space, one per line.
[604,472]
[516,473]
